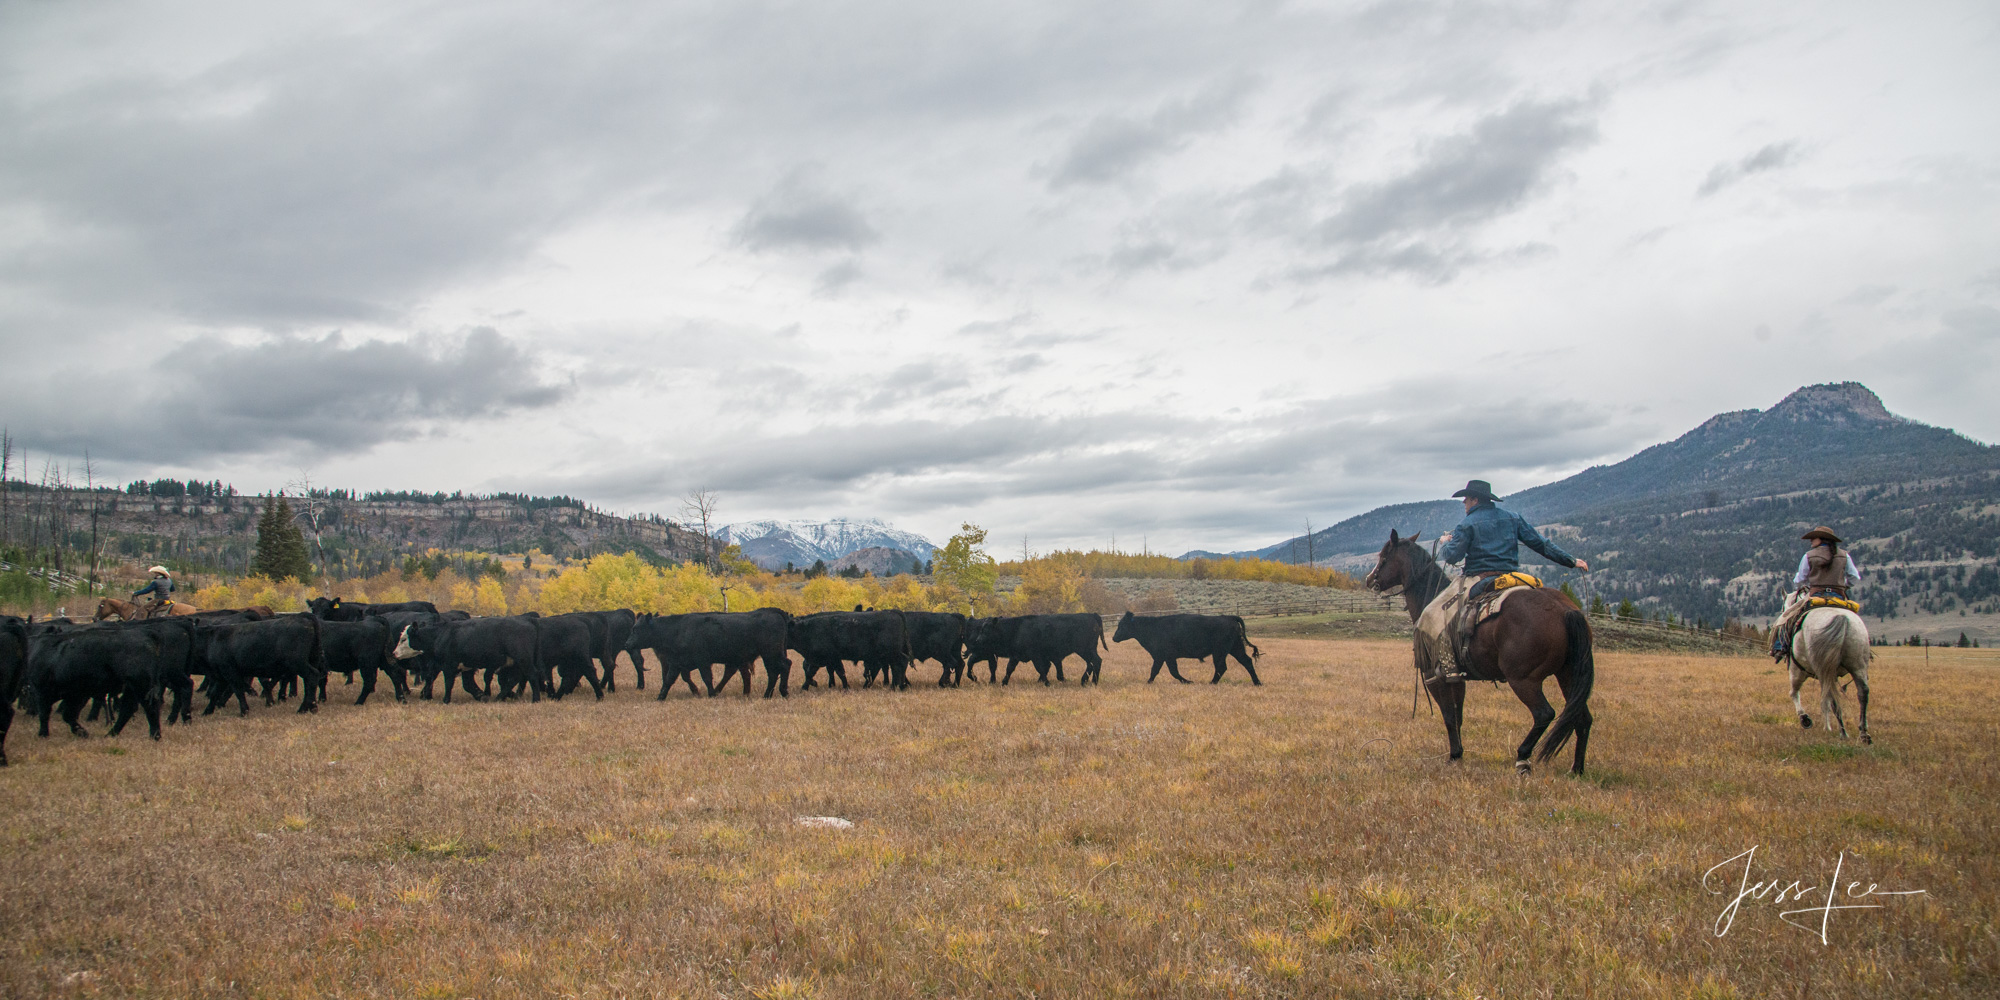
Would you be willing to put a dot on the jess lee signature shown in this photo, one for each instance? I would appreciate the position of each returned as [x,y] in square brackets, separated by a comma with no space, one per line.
[1776,891]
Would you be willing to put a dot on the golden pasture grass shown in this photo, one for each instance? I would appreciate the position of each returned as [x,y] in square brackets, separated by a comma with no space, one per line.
[1300,839]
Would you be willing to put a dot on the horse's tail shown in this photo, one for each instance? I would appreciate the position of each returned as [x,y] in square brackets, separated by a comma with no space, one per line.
[1834,638]
[1582,673]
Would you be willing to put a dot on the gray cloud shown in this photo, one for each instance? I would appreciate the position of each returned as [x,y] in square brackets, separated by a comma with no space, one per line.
[1775,156]
[799,214]
[314,395]
[1110,147]
[1416,222]
[1258,472]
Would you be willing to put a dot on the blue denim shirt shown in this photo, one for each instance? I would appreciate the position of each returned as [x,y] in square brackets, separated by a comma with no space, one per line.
[1488,541]
[161,585]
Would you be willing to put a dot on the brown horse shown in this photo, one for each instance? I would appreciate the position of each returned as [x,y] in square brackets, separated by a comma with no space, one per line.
[1537,635]
[131,611]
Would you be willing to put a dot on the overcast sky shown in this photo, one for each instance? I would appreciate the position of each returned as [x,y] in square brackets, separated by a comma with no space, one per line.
[1194,272]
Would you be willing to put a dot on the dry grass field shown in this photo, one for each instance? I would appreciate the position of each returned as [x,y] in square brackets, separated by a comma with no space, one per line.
[1299,839]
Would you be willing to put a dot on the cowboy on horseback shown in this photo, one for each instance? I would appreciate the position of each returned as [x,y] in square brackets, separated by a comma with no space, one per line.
[1489,541]
[162,589]
[1825,571]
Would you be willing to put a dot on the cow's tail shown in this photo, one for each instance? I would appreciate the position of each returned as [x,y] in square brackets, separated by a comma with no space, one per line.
[1243,636]
[1582,672]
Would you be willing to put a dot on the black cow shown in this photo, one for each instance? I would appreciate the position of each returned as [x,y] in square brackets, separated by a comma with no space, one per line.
[989,639]
[618,625]
[508,647]
[174,640]
[132,665]
[567,643]
[1169,639]
[940,636]
[1045,640]
[736,640]
[878,640]
[405,672]
[363,646]
[179,640]
[279,649]
[13,666]
[337,610]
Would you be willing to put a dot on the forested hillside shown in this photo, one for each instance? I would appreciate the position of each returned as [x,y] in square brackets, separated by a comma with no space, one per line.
[210,527]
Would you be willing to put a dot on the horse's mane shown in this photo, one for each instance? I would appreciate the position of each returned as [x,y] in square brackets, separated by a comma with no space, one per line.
[1427,578]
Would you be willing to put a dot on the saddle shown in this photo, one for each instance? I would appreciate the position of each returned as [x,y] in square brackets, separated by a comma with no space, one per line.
[1794,619]
[1446,628]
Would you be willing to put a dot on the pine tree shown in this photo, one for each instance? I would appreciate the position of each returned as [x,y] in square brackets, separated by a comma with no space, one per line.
[281,547]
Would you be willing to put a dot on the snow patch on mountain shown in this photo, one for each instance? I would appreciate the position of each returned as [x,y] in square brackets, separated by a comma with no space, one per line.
[772,544]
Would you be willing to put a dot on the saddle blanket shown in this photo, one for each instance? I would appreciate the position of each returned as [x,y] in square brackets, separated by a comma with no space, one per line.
[1436,639]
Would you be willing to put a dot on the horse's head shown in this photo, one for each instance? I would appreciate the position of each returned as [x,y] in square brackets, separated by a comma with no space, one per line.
[106,607]
[1396,564]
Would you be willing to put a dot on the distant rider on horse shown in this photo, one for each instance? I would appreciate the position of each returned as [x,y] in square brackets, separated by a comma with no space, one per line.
[1824,571]
[1489,541]
[161,587]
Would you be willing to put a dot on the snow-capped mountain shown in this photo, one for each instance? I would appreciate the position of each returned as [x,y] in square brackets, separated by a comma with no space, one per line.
[772,544]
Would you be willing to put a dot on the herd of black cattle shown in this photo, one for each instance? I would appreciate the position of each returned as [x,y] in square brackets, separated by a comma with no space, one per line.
[120,668]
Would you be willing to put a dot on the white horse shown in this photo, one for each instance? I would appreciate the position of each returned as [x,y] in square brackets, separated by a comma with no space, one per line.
[1831,642]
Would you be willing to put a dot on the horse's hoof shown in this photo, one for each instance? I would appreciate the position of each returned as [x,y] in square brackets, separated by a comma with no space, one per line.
[1805,721]
[1522,767]
[1867,740]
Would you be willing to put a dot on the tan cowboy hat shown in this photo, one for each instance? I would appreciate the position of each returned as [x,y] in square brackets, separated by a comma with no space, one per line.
[1821,533]
[159,571]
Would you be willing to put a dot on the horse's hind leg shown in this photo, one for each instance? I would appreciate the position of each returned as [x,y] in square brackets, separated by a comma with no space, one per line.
[1582,725]
[1798,681]
[1861,693]
[1530,693]
[1829,702]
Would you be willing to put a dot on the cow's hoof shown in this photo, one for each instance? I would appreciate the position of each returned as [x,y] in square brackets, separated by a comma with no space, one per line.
[1867,740]
[1522,767]
[1805,721]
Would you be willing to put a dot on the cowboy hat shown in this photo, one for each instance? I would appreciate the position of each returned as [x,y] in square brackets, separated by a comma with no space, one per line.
[159,571]
[1477,489]
[1821,533]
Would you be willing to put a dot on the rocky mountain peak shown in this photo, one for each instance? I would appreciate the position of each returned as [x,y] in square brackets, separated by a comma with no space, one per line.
[1836,402]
